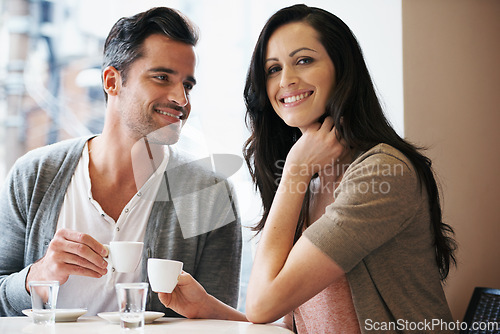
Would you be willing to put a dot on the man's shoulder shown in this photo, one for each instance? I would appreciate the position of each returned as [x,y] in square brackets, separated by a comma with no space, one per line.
[182,162]
[60,148]
[201,171]
[52,154]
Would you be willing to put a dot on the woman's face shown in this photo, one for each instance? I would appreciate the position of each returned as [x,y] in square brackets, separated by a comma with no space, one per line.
[300,74]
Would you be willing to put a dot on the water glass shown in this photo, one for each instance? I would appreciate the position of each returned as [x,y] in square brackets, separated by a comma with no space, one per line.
[132,303]
[43,301]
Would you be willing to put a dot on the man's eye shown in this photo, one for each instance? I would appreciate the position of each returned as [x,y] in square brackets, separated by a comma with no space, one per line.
[161,77]
[188,86]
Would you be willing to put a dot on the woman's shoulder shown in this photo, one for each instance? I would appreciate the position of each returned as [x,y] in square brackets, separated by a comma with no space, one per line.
[380,164]
[383,151]
[382,154]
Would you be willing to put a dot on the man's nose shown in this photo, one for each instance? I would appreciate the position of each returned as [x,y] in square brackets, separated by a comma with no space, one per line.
[178,95]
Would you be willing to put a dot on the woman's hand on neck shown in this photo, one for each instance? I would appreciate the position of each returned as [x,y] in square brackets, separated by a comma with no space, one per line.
[317,151]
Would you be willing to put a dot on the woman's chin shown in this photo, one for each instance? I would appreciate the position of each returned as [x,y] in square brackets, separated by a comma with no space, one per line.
[301,124]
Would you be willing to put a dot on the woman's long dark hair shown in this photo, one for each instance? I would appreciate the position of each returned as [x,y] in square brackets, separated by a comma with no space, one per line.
[354,100]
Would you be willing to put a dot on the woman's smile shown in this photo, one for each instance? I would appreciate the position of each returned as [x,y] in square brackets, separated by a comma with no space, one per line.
[293,100]
[300,74]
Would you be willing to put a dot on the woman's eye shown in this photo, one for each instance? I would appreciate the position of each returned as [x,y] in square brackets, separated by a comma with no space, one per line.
[273,70]
[305,60]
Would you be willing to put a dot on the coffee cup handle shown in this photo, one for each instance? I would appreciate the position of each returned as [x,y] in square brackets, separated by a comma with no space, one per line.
[108,258]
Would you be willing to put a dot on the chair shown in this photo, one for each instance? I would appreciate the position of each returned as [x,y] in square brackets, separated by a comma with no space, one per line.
[483,312]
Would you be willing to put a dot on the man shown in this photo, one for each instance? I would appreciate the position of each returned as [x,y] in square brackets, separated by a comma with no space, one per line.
[62,203]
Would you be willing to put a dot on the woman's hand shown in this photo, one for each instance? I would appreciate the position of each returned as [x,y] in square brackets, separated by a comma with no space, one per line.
[316,150]
[188,297]
[191,300]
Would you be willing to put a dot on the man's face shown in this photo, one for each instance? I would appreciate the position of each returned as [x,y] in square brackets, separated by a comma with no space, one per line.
[154,101]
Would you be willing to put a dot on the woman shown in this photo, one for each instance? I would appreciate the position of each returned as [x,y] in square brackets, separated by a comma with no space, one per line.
[351,239]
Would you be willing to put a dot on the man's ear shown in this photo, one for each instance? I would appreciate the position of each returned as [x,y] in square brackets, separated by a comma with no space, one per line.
[111,80]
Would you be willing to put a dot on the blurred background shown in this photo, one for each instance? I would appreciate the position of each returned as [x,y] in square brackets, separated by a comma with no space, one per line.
[435,65]
[50,64]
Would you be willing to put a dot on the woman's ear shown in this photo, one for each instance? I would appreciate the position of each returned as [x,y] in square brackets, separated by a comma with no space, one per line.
[111,80]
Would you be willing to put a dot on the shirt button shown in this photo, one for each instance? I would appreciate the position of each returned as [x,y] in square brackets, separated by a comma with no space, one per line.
[117,229]
[139,194]
[113,269]
[102,214]
[126,210]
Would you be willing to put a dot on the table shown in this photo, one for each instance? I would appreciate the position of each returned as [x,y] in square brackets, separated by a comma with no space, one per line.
[90,325]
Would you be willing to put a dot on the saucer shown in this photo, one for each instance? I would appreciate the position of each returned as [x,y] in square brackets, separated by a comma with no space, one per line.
[63,315]
[114,317]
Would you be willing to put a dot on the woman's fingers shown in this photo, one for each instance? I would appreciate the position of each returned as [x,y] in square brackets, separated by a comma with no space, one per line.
[328,124]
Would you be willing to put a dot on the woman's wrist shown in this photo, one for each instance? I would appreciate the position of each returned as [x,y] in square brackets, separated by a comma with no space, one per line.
[295,178]
[216,309]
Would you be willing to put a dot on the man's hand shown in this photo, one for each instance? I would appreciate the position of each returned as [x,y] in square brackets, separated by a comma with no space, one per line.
[69,253]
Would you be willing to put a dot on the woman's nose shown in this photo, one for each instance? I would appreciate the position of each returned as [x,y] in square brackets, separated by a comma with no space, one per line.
[288,77]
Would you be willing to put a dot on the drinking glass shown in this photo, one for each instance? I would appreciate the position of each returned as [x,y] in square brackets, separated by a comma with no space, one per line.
[43,301]
[132,303]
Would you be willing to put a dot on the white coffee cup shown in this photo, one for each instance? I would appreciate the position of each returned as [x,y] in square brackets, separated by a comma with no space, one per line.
[124,256]
[163,274]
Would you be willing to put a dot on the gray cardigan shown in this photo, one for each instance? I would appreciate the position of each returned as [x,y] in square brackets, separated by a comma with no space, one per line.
[32,196]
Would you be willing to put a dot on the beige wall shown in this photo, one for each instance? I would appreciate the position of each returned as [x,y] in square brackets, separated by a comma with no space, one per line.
[451,69]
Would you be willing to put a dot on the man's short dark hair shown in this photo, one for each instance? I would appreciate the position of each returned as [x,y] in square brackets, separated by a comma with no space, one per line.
[124,43]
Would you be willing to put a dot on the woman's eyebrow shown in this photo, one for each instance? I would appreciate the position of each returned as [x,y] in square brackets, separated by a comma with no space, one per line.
[270,59]
[300,49]
[293,53]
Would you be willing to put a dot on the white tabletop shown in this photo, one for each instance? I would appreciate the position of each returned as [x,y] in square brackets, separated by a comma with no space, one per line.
[90,325]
